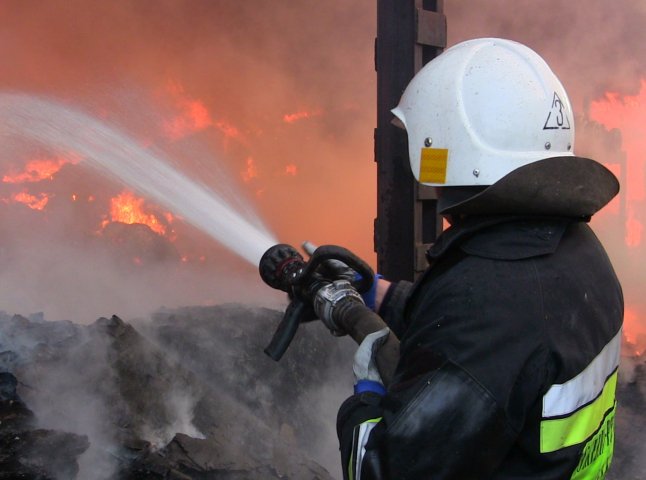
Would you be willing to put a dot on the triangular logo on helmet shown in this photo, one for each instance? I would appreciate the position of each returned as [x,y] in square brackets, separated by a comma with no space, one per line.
[557,118]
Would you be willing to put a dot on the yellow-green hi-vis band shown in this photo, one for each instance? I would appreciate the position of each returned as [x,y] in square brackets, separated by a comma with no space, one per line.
[576,428]
[432,165]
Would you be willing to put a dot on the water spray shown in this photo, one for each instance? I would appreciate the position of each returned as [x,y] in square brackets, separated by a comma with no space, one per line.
[150,173]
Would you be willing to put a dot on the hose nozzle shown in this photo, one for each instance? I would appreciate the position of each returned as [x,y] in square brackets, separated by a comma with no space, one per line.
[281,266]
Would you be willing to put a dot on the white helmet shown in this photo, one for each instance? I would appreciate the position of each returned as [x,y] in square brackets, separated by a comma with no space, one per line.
[481,110]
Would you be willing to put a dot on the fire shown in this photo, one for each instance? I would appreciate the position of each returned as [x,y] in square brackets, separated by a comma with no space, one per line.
[127,208]
[227,129]
[193,116]
[32,201]
[250,172]
[38,169]
[634,229]
[76,198]
[628,114]
[296,116]
[291,170]
[634,331]
[188,258]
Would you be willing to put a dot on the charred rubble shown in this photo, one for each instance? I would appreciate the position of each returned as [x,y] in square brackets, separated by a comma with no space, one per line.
[29,452]
[189,394]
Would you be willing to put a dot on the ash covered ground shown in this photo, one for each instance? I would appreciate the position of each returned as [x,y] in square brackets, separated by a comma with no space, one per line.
[189,394]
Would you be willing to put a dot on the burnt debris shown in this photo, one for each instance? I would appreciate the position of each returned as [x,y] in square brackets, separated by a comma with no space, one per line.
[186,395]
[27,452]
[189,394]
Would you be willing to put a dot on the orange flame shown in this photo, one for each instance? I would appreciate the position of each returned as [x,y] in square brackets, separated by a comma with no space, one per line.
[628,114]
[32,201]
[250,172]
[227,129]
[127,208]
[38,169]
[634,229]
[296,116]
[634,331]
[193,116]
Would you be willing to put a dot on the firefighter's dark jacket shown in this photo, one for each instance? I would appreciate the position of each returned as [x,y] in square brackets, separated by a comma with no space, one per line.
[509,353]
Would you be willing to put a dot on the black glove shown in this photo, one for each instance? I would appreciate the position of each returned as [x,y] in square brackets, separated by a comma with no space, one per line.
[331,269]
[337,270]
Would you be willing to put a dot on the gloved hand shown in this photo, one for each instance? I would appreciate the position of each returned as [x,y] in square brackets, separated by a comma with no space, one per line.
[328,302]
[366,374]
[337,270]
[330,269]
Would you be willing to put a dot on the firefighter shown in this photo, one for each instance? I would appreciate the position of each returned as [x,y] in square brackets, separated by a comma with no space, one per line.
[510,340]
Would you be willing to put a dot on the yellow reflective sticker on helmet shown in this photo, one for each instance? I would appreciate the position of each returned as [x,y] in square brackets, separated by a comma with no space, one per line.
[432,165]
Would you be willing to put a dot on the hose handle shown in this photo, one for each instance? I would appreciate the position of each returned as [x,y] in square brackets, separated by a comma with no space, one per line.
[297,312]
[325,253]
[283,268]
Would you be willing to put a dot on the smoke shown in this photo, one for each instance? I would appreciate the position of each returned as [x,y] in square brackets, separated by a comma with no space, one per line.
[273,104]
[598,52]
[249,65]
[66,261]
[86,278]
[297,398]
[181,406]
[217,95]
[229,74]
[65,397]
[593,49]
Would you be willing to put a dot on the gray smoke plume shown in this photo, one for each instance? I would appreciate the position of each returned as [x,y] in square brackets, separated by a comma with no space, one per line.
[289,91]
[190,384]
[594,47]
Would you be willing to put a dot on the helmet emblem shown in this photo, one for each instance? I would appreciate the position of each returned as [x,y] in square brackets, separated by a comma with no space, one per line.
[557,118]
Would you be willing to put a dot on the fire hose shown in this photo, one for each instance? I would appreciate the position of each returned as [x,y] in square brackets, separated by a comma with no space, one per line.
[282,267]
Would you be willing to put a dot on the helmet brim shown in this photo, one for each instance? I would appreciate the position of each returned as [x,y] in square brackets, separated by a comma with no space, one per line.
[563,186]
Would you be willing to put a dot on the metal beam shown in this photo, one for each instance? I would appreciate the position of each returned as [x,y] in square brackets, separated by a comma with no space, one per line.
[409,34]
